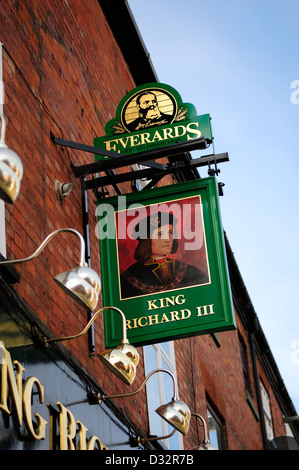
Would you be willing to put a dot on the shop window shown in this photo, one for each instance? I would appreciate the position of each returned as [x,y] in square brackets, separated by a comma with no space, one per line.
[215,428]
[159,390]
[2,229]
[267,412]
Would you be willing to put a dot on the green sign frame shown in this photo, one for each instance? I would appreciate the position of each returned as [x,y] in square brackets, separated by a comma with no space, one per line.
[152,116]
[176,304]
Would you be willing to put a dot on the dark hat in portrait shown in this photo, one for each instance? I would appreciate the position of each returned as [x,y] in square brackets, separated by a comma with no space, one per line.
[152,274]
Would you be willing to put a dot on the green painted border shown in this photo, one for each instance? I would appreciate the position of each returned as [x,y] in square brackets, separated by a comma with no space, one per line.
[185,126]
[218,292]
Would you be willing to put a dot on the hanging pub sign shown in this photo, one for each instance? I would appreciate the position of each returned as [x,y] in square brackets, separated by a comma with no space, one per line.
[151,116]
[163,263]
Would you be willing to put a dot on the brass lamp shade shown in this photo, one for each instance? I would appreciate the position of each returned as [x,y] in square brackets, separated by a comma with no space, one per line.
[122,361]
[11,173]
[177,414]
[83,284]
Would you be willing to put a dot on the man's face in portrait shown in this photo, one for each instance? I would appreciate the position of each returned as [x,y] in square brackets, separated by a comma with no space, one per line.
[148,106]
[161,241]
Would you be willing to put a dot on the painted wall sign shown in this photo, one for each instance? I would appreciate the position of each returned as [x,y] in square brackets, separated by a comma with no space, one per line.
[150,116]
[163,263]
[18,397]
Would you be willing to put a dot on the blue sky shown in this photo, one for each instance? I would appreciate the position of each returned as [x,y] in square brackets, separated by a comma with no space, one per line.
[237,60]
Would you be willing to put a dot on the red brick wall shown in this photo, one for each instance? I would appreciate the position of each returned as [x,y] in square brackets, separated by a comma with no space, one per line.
[64,73]
[218,377]
[212,371]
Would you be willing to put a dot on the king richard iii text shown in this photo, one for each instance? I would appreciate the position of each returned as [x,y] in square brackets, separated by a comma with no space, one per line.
[169,315]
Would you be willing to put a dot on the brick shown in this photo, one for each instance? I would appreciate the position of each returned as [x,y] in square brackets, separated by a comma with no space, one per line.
[64,73]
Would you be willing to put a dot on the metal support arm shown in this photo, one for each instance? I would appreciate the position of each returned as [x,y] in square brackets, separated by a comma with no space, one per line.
[148,173]
[140,157]
[154,172]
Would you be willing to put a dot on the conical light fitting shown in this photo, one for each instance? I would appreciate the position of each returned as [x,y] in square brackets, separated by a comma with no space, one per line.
[122,361]
[11,173]
[177,414]
[83,284]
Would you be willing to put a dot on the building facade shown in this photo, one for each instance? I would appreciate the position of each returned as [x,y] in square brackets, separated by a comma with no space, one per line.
[66,67]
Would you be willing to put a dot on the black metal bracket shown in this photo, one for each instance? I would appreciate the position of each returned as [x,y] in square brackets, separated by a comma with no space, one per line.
[85,148]
[150,174]
[154,172]
[95,150]
[122,160]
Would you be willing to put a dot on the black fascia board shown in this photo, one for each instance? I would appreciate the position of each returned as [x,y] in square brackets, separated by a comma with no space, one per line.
[126,33]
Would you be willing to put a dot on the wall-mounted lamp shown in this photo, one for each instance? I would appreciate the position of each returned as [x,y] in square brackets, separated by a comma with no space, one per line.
[176,412]
[82,283]
[11,169]
[121,360]
[205,445]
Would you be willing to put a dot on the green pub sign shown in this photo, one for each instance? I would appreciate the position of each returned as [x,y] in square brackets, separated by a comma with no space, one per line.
[163,263]
[163,259]
[152,116]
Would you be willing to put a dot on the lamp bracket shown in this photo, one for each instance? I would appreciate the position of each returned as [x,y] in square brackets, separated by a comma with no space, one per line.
[93,398]
[137,441]
[8,272]
[40,342]
[289,419]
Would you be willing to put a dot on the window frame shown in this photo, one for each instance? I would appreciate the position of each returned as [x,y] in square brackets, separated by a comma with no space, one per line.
[163,360]
[266,401]
[212,414]
[2,229]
